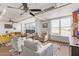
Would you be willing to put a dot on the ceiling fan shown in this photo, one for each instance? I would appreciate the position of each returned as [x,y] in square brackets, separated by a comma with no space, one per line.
[26,9]
[10,20]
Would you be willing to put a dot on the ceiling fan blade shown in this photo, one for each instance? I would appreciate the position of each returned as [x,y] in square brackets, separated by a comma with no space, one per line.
[35,9]
[31,14]
[11,7]
[14,7]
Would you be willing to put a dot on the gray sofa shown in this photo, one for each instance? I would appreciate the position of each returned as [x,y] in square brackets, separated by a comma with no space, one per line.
[34,48]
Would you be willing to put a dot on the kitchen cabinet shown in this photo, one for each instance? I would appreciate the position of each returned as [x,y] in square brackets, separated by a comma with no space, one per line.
[74,51]
[60,49]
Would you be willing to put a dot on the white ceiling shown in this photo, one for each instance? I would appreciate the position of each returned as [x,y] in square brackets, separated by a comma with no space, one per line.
[7,13]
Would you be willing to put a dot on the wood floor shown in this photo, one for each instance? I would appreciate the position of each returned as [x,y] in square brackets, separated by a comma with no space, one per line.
[4,51]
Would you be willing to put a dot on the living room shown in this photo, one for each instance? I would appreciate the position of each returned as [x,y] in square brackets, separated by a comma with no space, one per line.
[45,29]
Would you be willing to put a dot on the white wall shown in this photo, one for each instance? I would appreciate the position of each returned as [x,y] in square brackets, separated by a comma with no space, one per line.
[17,26]
[2,29]
[38,26]
[44,29]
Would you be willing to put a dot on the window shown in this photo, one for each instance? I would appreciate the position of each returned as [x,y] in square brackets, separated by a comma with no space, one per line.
[55,27]
[66,26]
[30,26]
[61,26]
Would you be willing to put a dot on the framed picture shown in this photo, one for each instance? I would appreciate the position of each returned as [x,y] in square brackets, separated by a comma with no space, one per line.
[8,26]
[45,25]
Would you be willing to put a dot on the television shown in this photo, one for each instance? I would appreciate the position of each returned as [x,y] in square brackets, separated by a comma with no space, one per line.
[30,31]
[8,26]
